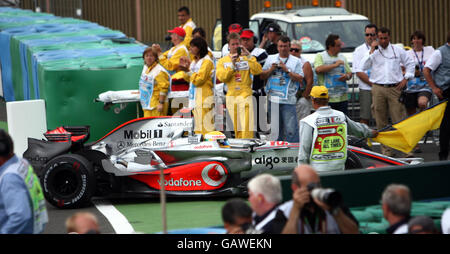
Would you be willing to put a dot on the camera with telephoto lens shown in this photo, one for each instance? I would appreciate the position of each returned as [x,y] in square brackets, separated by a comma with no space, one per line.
[330,197]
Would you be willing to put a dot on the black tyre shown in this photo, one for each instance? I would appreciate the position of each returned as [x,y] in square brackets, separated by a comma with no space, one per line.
[353,161]
[68,181]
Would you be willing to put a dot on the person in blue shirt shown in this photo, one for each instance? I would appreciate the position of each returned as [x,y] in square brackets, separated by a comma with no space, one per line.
[22,205]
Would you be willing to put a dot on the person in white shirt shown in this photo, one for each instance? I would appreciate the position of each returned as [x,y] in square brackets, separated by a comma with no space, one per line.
[385,61]
[437,74]
[364,84]
[304,106]
[418,92]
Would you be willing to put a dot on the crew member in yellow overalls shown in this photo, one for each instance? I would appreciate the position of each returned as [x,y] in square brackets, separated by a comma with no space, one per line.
[184,16]
[201,96]
[236,70]
[170,60]
[153,86]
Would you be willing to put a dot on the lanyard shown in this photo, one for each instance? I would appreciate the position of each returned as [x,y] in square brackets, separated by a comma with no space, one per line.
[287,59]
[420,61]
[395,55]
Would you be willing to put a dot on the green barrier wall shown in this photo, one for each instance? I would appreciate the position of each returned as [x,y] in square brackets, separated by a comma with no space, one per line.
[70,97]
[70,85]
[364,187]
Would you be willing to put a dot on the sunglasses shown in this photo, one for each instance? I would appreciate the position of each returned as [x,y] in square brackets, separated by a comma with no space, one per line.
[295,50]
[371,34]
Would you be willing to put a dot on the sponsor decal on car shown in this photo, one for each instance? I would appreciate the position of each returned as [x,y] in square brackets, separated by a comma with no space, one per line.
[199,176]
[270,161]
[132,134]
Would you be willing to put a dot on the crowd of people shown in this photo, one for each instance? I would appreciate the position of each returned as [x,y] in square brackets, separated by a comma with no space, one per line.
[310,211]
[393,83]
[272,81]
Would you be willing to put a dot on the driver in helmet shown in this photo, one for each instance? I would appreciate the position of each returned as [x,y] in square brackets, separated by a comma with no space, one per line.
[218,136]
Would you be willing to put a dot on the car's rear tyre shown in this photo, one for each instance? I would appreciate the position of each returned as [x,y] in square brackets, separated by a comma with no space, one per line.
[68,181]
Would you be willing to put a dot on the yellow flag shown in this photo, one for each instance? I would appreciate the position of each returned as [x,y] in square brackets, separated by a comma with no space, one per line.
[410,131]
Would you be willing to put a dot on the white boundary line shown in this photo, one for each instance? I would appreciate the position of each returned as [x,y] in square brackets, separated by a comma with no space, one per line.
[118,221]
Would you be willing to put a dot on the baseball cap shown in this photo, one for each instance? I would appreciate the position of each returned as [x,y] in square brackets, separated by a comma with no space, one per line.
[247,33]
[319,92]
[272,27]
[234,28]
[179,31]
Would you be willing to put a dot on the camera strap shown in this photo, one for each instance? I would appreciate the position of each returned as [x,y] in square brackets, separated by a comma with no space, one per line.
[320,224]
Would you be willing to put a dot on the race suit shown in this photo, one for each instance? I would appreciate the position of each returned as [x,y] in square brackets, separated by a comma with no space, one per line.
[201,96]
[239,98]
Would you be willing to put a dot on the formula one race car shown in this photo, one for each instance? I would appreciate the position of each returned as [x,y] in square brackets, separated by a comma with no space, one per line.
[128,160]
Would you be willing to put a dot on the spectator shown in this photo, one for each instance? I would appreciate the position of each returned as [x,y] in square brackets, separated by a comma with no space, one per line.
[233,28]
[270,39]
[153,86]
[307,215]
[418,93]
[284,74]
[82,223]
[184,17]
[445,222]
[303,106]
[364,84]
[333,72]
[385,60]
[236,216]
[235,71]
[22,204]
[264,197]
[439,64]
[170,60]
[396,205]
[422,225]
[318,148]
[199,73]
[248,41]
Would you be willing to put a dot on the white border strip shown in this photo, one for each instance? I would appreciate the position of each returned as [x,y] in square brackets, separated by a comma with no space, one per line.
[118,221]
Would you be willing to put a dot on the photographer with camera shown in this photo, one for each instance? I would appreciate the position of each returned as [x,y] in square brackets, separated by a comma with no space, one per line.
[236,71]
[315,210]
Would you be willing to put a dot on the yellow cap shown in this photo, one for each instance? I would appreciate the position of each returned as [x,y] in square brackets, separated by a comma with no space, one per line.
[319,92]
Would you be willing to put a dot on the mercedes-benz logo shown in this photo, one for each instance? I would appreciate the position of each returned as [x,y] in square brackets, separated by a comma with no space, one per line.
[121,144]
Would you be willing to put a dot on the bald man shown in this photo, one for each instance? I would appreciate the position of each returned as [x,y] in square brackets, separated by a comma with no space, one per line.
[307,215]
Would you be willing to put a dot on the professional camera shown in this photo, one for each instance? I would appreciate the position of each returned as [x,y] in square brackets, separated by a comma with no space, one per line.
[330,197]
